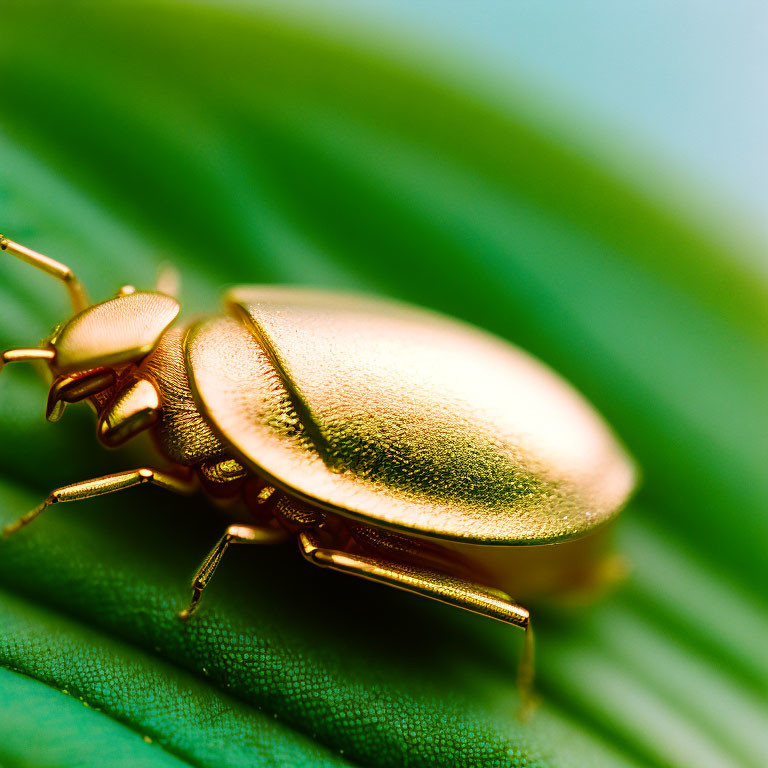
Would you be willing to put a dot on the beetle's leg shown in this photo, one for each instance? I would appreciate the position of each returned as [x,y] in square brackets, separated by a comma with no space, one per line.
[49,266]
[25,355]
[102,485]
[426,581]
[235,534]
[416,578]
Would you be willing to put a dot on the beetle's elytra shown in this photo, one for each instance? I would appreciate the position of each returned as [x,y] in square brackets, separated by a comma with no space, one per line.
[394,443]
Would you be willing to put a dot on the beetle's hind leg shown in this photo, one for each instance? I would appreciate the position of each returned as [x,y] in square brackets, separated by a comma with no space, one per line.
[436,584]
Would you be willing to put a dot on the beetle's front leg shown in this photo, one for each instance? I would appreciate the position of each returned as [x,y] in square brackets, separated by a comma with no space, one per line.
[235,534]
[101,485]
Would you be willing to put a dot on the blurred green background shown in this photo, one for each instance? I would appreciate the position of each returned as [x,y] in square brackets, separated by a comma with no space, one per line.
[410,151]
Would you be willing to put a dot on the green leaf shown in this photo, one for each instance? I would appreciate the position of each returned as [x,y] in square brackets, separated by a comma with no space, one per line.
[144,697]
[37,714]
[245,148]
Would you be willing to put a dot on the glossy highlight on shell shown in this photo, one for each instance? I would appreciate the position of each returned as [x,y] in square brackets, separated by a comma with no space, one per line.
[405,418]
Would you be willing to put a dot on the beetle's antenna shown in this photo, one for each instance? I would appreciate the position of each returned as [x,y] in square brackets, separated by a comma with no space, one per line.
[25,355]
[50,267]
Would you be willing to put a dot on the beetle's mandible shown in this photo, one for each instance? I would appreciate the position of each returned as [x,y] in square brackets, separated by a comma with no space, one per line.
[393,443]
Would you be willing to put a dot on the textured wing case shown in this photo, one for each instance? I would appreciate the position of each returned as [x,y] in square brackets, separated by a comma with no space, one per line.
[403,417]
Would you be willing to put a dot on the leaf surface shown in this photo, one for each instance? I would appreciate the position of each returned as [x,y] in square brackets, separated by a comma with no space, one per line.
[245,148]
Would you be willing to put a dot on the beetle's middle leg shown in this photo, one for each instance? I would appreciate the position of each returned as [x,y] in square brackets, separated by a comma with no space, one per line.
[235,534]
[101,485]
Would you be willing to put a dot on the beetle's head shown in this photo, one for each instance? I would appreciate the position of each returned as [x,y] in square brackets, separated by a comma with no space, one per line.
[95,353]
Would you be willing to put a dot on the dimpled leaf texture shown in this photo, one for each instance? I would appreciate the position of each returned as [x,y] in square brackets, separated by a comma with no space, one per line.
[246,148]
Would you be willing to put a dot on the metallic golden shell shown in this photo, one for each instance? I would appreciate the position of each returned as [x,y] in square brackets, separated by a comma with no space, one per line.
[121,330]
[404,418]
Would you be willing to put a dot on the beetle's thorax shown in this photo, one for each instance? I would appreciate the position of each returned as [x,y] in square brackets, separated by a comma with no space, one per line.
[181,432]
[155,396]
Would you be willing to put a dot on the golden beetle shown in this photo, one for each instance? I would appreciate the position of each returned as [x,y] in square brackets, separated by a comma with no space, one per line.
[394,443]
